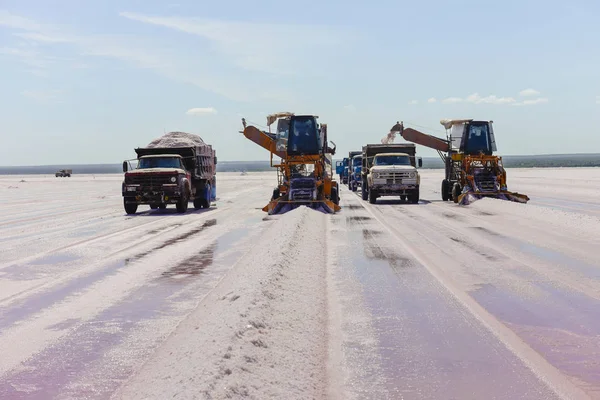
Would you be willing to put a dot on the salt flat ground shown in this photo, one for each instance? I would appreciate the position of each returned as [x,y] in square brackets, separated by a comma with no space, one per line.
[495,300]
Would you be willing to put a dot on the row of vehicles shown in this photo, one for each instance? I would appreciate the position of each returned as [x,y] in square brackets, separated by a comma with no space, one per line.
[180,167]
[382,170]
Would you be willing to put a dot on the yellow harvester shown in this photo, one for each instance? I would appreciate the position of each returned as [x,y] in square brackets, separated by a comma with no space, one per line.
[304,173]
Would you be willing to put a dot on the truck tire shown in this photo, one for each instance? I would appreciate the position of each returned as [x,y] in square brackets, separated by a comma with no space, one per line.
[207,198]
[354,186]
[130,208]
[372,197]
[364,190]
[153,206]
[456,192]
[445,190]
[414,196]
[162,206]
[182,203]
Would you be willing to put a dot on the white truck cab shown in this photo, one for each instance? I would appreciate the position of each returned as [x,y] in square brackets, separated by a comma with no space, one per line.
[393,174]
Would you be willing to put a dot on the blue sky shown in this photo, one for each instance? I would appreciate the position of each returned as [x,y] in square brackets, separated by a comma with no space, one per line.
[87,81]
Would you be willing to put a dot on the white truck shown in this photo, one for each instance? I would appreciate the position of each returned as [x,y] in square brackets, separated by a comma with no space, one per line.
[390,170]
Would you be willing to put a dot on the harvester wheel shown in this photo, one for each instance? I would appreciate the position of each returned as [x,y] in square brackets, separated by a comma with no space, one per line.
[456,192]
[276,194]
[335,197]
[372,197]
[445,190]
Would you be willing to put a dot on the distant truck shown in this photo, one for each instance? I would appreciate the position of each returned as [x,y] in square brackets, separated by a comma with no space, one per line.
[341,168]
[390,170]
[63,173]
[171,175]
[355,177]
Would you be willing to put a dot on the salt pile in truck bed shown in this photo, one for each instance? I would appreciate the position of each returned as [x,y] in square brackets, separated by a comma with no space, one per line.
[177,139]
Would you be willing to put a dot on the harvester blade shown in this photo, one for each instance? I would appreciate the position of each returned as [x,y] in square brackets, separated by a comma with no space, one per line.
[282,206]
[468,197]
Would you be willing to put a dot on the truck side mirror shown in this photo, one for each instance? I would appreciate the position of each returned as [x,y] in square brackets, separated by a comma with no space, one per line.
[215,160]
[420,162]
[124,166]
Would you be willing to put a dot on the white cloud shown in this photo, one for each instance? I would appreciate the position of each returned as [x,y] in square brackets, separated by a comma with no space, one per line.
[597,99]
[529,92]
[432,100]
[201,111]
[42,96]
[413,102]
[492,99]
[14,21]
[232,47]
[350,107]
[246,44]
[41,37]
[539,100]
[451,100]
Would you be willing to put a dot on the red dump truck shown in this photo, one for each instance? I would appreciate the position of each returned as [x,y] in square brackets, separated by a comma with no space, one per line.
[174,169]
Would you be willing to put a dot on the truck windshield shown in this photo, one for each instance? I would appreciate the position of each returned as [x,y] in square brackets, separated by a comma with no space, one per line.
[392,160]
[159,162]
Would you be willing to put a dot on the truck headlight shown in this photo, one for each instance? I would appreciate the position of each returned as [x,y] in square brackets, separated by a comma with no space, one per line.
[173,179]
[375,175]
[412,174]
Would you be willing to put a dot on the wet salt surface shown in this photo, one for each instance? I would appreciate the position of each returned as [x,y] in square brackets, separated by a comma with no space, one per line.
[429,346]
[89,347]
[568,336]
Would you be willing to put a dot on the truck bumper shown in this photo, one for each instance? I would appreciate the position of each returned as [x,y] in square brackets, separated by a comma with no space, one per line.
[394,190]
[144,195]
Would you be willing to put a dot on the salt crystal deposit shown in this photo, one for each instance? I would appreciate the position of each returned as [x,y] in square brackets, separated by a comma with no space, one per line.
[177,139]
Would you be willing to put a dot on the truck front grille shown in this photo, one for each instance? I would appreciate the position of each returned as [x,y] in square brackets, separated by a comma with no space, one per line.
[394,175]
[149,180]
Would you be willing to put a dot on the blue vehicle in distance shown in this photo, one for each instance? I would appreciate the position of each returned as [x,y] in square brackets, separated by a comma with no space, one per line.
[341,168]
[354,178]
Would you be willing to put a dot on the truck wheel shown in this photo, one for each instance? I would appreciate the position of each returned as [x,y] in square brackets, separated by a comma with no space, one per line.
[182,204]
[198,204]
[153,206]
[130,208]
[162,206]
[445,190]
[372,197]
[456,192]
[414,197]
[364,190]
[402,198]
[206,200]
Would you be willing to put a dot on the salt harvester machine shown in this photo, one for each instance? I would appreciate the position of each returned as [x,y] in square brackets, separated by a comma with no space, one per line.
[472,171]
[304,172]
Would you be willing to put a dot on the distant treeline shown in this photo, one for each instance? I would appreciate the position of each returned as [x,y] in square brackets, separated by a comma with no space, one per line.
[544,161]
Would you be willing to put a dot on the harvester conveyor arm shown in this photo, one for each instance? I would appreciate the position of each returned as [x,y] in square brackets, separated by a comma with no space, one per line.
[426,140]
[263,140]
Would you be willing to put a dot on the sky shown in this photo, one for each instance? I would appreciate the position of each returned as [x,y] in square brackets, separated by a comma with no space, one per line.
[88,81]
